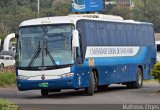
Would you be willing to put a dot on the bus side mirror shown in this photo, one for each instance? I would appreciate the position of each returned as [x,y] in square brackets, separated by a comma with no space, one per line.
[75,39]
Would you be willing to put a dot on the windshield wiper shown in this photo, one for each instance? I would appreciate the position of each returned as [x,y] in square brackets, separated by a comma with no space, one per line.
[35,55]
[50,56]
[45,46]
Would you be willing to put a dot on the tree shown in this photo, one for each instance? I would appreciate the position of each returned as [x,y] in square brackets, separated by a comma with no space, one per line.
[62,7]
[13,12]
[124,12]
[4,30]
[144,10]
[148,11]
[156,71]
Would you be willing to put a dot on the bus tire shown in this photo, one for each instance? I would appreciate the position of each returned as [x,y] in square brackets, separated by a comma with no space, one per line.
[92,84]
[44,92]
[139,80]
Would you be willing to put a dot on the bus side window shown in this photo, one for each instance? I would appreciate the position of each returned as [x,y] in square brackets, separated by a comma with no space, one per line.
[146,40]
[121,34]
[148,36]
[130,34]
[112,34]
[139,36]
[151,36]
[91,33]
[101,33]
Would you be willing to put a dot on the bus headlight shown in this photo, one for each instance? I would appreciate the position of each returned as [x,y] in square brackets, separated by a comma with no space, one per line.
[66,75]
[23,77]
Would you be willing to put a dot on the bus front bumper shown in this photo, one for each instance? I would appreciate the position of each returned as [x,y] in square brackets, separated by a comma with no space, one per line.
[61,83]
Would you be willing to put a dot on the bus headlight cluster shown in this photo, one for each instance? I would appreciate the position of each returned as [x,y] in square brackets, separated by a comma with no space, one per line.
[66,75]
[22,77]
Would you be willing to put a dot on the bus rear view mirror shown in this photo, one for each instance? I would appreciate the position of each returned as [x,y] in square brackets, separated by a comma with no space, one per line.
[75,39]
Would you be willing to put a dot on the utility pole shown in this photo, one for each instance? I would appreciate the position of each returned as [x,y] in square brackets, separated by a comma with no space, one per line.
[131,4]
[38,7]
[104,5]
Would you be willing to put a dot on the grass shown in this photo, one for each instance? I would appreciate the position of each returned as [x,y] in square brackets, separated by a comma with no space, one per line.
[6,105]
[151,81]
[7,79]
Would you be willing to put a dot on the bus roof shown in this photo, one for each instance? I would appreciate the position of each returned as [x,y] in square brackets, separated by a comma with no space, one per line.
[74,18]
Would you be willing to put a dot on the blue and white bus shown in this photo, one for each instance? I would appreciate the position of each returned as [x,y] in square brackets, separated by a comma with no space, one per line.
[87,51]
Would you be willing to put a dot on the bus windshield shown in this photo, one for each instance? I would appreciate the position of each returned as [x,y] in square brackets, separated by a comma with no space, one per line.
[45,45]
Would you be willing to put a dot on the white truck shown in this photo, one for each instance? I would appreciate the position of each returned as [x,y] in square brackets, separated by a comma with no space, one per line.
[158,50]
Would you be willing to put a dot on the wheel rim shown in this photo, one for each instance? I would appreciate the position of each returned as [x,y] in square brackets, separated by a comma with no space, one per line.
[139,78]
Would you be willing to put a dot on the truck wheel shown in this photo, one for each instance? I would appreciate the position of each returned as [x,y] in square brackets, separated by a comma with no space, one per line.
[92,84]
[44,92]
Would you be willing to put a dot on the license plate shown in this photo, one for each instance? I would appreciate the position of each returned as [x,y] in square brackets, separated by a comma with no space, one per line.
[43,85]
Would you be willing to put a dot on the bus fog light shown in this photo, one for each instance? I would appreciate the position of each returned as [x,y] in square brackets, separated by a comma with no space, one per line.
[67,75]
[22,77]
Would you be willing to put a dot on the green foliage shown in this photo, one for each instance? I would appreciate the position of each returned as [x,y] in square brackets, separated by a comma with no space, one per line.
[126,13]
[156,71]
[149,11]
[7,78]
[13,12]
[6,105]
[143,10]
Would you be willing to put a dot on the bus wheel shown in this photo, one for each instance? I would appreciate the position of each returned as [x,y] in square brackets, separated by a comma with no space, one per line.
[139,81]
[92,84]
[44,92]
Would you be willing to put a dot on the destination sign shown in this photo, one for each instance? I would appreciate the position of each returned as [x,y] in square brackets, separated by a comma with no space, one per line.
[111,51]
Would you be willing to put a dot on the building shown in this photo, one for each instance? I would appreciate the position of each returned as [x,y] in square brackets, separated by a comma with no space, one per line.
[157,36]
[125,3]
[110,2]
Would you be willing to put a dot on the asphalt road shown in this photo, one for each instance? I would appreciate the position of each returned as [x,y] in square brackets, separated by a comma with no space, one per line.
[115,94]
